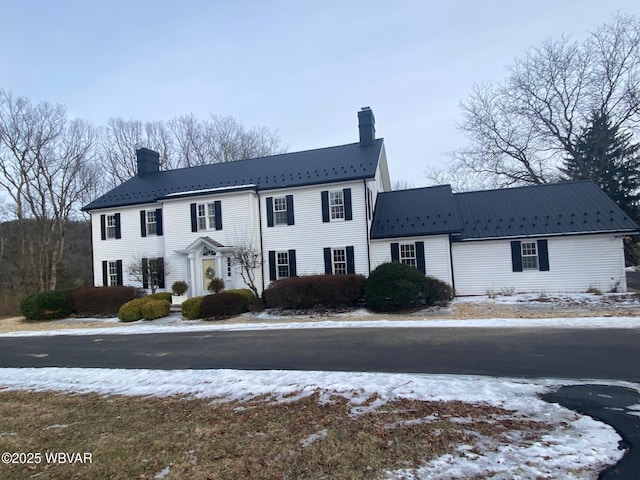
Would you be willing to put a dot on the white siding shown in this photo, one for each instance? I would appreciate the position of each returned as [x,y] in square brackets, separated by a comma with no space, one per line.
[575,264]
[436,254]
[126,248]
[310,235]
[239,224]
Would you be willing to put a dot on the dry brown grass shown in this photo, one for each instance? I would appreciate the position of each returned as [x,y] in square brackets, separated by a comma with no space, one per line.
[135,438]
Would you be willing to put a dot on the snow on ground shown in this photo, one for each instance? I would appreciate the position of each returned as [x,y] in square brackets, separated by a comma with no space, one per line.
[577,442]
[174,323]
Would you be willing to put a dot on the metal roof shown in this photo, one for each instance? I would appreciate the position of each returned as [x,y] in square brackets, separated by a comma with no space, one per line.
[415,212]
[324,165]
[539,210]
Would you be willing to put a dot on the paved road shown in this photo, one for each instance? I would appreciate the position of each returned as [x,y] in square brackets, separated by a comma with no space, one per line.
[528,352]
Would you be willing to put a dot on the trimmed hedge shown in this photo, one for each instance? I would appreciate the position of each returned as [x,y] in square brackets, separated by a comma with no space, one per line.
[132,310]
[394,286]
[438,291]
[311,291]
[47,305]
[101,301]
[192,308]
[224,305]
[155,309]
[160,296]
[246,293]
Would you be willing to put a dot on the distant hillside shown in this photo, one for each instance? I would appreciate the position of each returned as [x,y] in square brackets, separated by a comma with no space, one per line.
[15,284]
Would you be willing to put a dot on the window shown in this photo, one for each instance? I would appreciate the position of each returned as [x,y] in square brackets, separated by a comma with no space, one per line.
[529,254]
[408,254]
[282,265]
[111,227]
[152,223]
[112,273]
[336,204]
[206,216]
[339,261]
[280,211]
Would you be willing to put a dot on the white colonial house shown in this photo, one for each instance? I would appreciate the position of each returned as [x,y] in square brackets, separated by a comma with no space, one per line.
[330,210]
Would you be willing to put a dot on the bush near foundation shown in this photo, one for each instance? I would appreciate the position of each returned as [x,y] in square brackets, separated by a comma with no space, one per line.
[101,301]
[395,286]
[47,305]
[154,309]
[313,291]
[132,310]
[246,293]
[192,308]
[160,296]
[224,305]
[437,291]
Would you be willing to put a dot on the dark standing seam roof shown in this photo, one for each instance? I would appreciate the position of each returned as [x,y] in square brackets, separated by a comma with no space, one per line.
[324,165]
[540,210]
[415,212]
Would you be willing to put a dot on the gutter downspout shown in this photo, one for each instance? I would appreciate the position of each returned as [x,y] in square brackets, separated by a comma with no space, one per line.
[368,212]
[453,278]
[261,242]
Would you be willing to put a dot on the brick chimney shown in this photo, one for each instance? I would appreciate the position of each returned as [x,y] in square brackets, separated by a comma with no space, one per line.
[148,161]
[366,125]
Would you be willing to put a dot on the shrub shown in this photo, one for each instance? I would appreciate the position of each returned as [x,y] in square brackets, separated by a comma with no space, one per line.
[132,310]
[153,309]
[224,305]
[101,301]
[216,285]
[179,288]
[437,291]
[246,293]
[311,291]
[47,305]
[192,308]
[160,296]
[395,286]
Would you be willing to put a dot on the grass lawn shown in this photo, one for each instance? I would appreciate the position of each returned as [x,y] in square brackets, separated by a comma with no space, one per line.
[185,438]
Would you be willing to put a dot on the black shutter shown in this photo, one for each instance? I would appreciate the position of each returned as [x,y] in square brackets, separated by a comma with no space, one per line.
[272,265]
[118,230]
[325,205]
[351,260]
[103,227]
[160,271]
[269,211]
[119,272]
[395,252]
[346,195]
[516,256]
[420,263]
[143,223]
[543,256]
[290,218]
[328,266]
[105,273]
[145,273]
[159,221]
[218,209]
[293,271]
[194,218]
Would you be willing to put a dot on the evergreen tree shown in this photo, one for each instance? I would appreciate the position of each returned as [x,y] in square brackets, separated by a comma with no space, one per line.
[606,155]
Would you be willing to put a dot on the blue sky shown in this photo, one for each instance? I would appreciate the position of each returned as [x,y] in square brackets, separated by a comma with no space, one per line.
[302,68]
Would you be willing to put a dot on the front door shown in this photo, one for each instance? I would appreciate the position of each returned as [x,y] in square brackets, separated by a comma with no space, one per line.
[208,272]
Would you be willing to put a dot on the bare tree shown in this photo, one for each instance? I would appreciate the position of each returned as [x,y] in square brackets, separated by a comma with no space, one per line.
[521,129]
[149,271]
[402,185]
[182,142]
[45,168]
[248,257]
